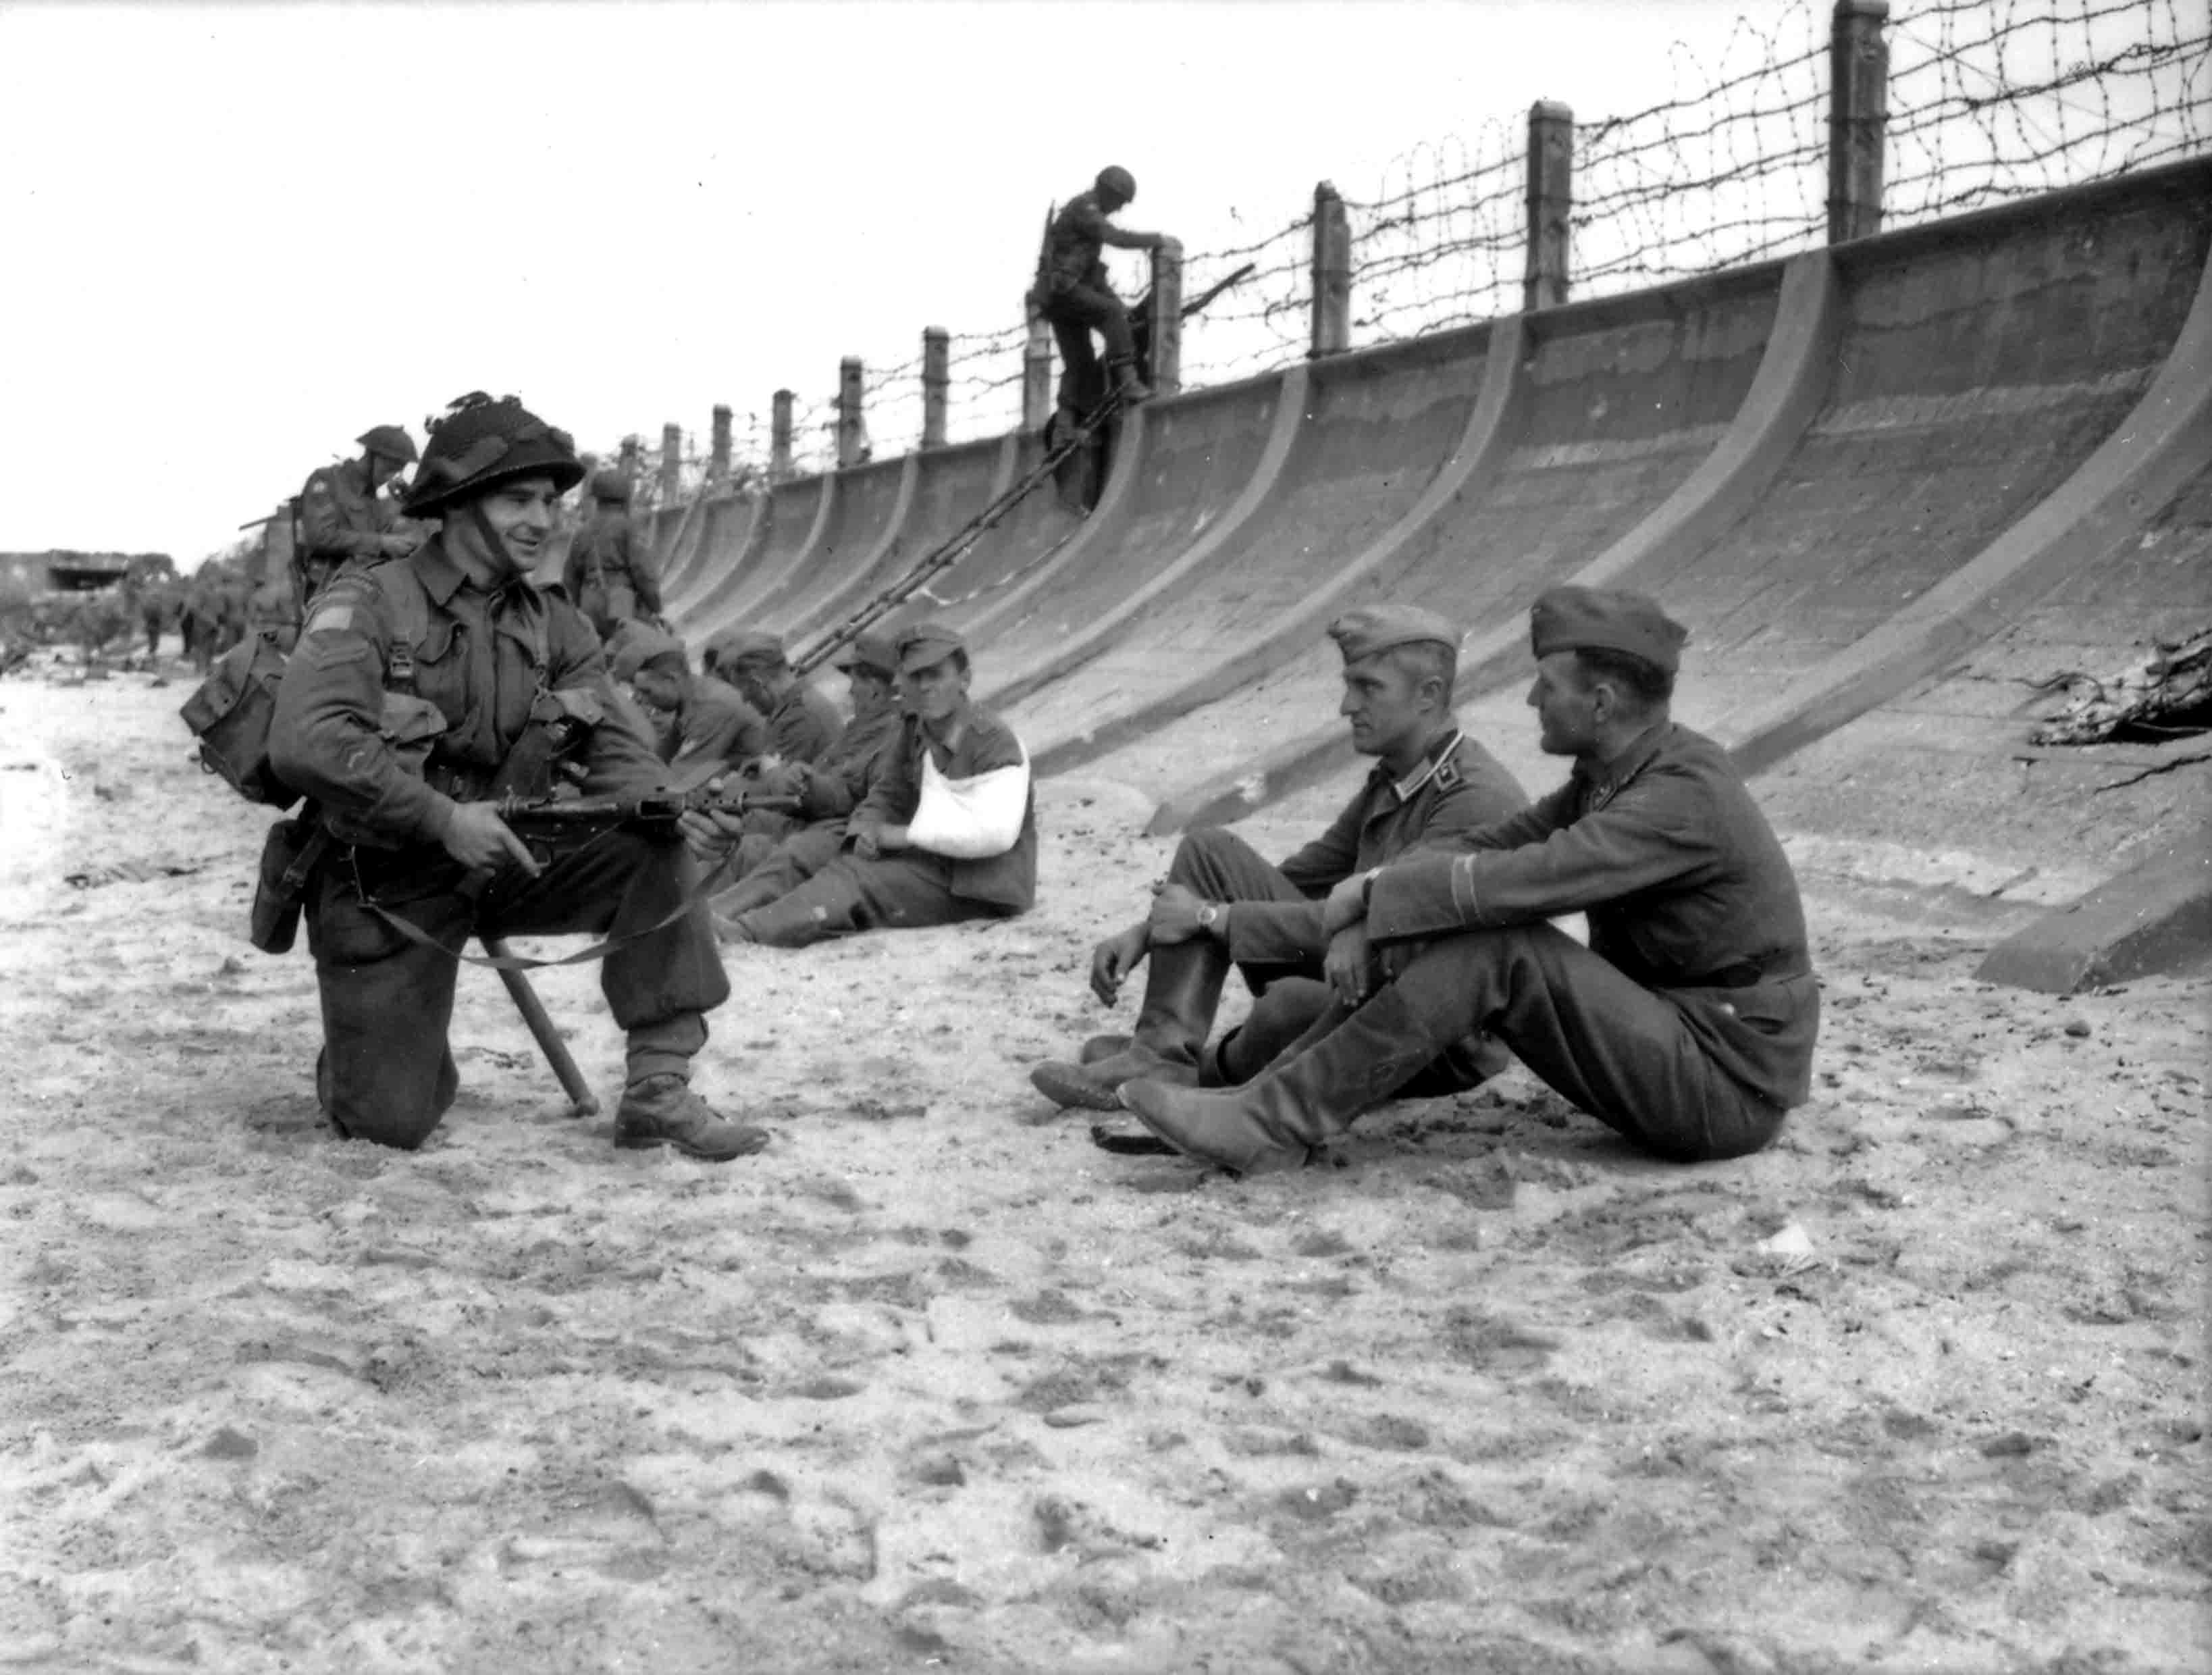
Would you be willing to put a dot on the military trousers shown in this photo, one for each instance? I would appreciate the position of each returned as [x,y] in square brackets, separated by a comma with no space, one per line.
[1625,1054]
[1288,998]
[386,1072]
[773,870]
[1074,313]
[905,891]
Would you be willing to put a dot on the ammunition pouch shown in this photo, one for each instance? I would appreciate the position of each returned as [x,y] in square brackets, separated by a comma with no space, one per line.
[289,856]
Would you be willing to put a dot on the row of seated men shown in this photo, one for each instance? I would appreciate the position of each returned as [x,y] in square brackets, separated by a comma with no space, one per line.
[1407,948]
[916,812]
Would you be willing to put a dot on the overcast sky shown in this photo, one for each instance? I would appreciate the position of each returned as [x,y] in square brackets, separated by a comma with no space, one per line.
[236,236]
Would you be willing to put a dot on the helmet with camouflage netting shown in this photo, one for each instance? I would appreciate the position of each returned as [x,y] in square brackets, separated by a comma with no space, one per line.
[479,443]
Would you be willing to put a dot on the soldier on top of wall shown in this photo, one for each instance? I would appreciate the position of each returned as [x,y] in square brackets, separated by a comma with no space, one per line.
[1073,293]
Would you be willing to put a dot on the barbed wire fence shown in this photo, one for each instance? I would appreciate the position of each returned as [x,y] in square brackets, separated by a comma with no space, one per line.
[1986,100]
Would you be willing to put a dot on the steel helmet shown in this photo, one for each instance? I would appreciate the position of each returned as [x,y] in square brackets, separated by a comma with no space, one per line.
[1118,180]
[480,442]
[610,483]
[389,440]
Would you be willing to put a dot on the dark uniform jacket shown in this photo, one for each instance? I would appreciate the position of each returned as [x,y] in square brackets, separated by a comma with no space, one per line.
[1007,881]
[341,516]
[716,725]
[611,552]
[805,724]
[1459,788]
[1073,245]
[474,659]
[1687,888]
[835,784]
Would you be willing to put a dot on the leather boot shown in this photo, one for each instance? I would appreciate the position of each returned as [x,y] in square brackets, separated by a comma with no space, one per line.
[663,1110]
[1103,1047]
[1182,987]
[1132,388]
[1303,1101]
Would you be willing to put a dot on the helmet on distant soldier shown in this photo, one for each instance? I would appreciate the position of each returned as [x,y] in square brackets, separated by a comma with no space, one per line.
[479,443]
[610,483]
[1117,181]
[389,440]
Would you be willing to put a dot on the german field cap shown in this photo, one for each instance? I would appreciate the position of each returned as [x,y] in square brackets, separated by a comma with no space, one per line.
[634,644]
[1378,628]
[1606,620]
[925,643]
[742,648]
[870,651]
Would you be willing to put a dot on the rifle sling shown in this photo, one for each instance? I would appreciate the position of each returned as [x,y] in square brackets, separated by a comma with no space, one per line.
[516,962]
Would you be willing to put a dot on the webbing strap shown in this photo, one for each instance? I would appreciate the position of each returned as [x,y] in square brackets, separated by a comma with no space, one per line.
[516,962]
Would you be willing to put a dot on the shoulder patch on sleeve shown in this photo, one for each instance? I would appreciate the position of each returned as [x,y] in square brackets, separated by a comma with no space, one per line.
[329,619]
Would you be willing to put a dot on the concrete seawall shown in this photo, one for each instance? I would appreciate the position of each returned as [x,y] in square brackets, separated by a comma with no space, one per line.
[1878,482]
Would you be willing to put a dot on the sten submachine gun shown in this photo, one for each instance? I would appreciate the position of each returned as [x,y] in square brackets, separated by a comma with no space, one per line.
[554,826]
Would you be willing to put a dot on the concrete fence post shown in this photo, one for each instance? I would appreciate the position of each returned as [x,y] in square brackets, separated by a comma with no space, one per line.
[1331,273]
[718,455]
[779,437]
[672,463]
[1037,372]
[1167,318]
[1858,110]
[851,420]
[1551,202]
[936,382]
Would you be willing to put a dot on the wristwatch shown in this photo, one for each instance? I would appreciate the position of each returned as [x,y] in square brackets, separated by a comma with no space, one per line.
[1208,913]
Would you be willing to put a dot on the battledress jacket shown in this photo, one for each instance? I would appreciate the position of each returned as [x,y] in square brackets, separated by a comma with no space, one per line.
[610,543]
[833,786]
[1074,243]
[715,725]
[1458,787]
[474,661]
[1686,887]
[342,516]
[805,724]
[1006,881]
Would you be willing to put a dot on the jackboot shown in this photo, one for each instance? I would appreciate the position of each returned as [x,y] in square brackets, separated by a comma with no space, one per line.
[1182,987]
[1304,1100]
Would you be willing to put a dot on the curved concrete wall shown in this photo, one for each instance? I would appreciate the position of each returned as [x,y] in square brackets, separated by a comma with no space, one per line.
[951,486]
[1839,472]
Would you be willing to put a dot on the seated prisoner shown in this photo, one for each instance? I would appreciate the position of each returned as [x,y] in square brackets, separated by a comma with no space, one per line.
[768,867]
[947,832]
[802,724]
[712,728]
[1222,905]
[451,649]
[1688,1022]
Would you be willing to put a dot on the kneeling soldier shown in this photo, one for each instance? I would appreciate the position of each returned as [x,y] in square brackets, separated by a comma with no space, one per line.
[452,651]
[1688,1022]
